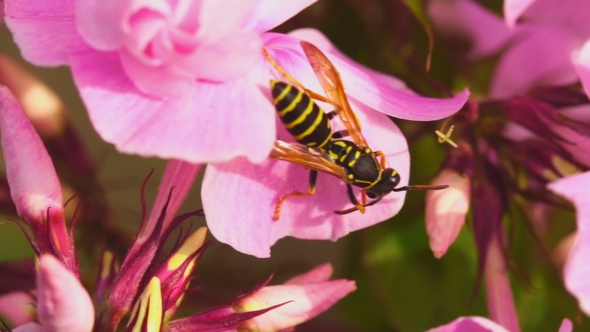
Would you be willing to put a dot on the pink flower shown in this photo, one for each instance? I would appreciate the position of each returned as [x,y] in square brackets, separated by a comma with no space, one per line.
[575,273]
[187,80]
[446,210]
[63,305]
[254,189]
[470,324]
[549,46]
[481,324]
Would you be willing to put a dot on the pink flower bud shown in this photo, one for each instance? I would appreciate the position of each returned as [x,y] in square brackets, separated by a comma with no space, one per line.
[304,300]
[62,302]
[446,210]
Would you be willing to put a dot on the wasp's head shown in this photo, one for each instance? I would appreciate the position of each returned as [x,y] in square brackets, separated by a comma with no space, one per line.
[389,180]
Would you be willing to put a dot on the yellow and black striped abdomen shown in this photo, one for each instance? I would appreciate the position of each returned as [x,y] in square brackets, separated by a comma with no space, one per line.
[302,117]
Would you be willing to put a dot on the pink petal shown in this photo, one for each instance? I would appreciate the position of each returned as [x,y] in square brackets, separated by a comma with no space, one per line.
[24,155]
[219,18]
[100,22]
[30,327]
[380,92]
[582,65]
[518,71]
[576,271]
[513,9]
[498,292]
[318,274]
[470,324]
[203,125]
[446,210]
[63,304]
[566,326]
[307,301]
[179,175]
[268,14]
[43,29]
[231,57]
[487,32]
[255,189]
[158,81]
[571,15]
[18,307]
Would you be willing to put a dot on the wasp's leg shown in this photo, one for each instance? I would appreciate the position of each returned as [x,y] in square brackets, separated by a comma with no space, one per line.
[382,160]
[353,199]
[364,197]
[313,176]
[290,78]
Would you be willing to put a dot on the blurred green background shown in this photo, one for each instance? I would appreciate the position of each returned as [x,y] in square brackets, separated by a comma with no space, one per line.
[401,286]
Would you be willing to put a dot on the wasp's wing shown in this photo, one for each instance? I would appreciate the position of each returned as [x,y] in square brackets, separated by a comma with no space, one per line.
[313,159]
[334,88]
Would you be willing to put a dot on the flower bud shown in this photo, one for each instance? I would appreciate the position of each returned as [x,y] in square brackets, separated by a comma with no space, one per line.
[446,210]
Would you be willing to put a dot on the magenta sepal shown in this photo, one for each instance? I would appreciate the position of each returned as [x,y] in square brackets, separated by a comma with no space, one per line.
[138,260]
[541,118]
[174,282]
[219,319]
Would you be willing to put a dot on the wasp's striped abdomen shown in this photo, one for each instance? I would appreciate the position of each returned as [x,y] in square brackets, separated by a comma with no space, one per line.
[302,117]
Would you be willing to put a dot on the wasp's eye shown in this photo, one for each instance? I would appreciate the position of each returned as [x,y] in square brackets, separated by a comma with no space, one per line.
[395,179]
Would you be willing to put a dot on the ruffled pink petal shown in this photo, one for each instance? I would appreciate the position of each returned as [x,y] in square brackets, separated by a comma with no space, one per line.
[487,32]
[255,189]
[218,19]
[380,92]
[582,65]
[518,71]
[306,302]
[513,9]
[45,30]
[63,304]
[320,273]
[576,271]
[24,155]
[18,307]
[159,81]
[231,57]
[203,125]
[270,13]
[470,324]
[100,22]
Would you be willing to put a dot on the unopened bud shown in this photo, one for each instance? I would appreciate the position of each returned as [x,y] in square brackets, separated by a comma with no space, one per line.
[446,210]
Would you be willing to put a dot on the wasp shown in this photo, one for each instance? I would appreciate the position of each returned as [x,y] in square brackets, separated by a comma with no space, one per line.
[321,149]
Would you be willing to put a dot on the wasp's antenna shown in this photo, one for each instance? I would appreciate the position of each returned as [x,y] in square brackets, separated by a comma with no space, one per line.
[421,187]
[446,137]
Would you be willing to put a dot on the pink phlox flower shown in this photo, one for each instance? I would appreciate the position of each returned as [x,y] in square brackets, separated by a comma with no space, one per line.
[576,274]
[175,79]
[254,189]
[481,324]
[547,46]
